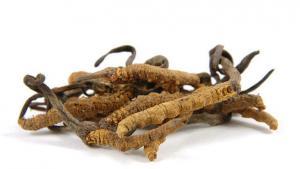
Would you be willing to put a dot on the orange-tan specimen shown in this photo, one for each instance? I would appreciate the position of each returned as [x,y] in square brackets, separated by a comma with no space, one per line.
[157,114]
[260,116]
[169,80]
[104,137]
[141,103]
[81,108]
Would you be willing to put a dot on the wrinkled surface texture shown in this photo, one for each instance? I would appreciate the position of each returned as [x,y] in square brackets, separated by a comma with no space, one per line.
[145,96]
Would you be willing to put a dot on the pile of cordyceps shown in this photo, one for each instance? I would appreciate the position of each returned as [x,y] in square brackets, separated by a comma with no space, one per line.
[105,108]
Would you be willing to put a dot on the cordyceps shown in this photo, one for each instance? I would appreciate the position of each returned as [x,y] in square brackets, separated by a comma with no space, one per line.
[157,114]
[92,107]
[106,107]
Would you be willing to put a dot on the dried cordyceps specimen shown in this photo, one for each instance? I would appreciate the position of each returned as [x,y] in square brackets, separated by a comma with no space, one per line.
[103,137]
[147,96]
[150,139]
[45,120]
[139,104]
[260,116]
[80,76]
[169,80]
[100,82]
[157,114]
[81,108]
[40,121]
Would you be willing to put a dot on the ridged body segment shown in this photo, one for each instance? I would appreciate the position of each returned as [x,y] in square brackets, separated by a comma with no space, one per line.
[157,114]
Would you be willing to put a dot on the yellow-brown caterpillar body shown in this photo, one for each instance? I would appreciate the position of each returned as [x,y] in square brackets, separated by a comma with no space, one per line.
[169,80]
[157,114]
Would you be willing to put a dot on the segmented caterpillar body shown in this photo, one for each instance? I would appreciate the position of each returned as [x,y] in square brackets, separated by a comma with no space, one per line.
[139,104]
[169,80]
[260,116]
[80,108]
[103,137]
[40,121]
[157,114]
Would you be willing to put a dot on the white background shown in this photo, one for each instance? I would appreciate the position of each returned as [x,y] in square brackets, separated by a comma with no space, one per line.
[58,37]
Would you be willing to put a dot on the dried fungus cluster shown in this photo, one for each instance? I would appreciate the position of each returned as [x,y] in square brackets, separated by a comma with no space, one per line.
[105,108]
